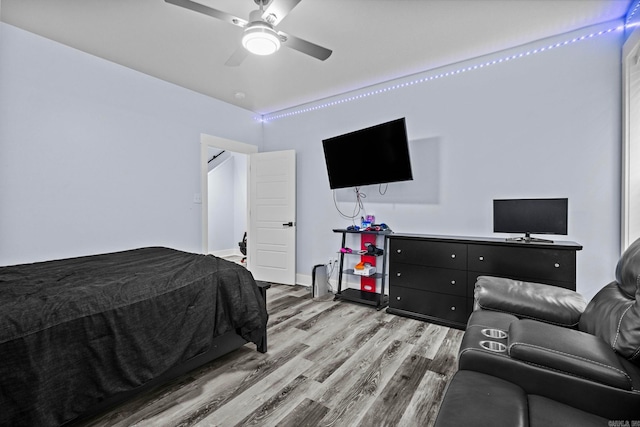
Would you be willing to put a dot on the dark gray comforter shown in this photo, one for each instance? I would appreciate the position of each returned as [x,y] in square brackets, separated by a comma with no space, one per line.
[75,331]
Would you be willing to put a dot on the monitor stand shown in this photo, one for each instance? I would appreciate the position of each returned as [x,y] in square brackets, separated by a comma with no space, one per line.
[528,239]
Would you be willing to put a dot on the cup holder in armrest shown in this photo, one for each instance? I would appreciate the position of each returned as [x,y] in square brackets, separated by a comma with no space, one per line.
[494,333]
[493,346]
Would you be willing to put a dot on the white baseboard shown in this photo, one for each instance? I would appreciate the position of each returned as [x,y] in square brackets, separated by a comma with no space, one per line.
[303,280]
[307,280]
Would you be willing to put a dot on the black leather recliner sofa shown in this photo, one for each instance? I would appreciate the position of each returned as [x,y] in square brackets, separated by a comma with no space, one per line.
[538,355]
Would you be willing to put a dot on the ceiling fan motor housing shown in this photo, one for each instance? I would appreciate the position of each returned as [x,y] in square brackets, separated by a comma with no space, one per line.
[259,36]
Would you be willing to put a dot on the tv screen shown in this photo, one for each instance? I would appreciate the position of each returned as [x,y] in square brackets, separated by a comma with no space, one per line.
[375,155]
[530,216]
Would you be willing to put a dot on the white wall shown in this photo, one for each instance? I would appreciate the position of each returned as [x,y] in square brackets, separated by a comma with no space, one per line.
[546,125]
[96,157]
[220,199]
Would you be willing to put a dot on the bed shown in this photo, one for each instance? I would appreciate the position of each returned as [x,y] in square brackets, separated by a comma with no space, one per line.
[78,335]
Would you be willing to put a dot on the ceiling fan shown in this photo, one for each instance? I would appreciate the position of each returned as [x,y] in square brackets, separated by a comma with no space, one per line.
[260,36]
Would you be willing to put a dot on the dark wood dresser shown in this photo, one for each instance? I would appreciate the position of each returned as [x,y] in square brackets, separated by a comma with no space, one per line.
[432,277]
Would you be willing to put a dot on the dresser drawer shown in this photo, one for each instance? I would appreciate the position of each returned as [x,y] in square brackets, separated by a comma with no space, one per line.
[447,307]
[433,254]
[442,280]
[545,265]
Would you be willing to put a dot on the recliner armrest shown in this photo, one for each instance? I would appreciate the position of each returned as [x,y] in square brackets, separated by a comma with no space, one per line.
[546,303]
[568,351]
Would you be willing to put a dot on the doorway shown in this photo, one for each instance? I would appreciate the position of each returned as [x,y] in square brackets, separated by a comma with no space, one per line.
[227,202]
[239,152]
[270,213]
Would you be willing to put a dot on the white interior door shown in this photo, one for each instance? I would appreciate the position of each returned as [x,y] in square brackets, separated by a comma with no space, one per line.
[271,240]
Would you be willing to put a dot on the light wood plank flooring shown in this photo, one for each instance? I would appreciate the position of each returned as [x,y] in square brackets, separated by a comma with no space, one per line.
[329,364]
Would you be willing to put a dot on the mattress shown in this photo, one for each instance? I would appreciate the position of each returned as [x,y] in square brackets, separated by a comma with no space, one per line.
[76,331]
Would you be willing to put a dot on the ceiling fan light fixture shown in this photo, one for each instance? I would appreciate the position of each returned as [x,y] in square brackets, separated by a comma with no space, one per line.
[261,39]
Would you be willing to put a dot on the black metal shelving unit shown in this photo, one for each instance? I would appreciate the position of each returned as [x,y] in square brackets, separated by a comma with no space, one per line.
[377,300]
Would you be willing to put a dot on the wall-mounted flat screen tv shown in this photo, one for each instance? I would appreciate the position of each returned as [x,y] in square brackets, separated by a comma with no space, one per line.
[530,216]
[375,155]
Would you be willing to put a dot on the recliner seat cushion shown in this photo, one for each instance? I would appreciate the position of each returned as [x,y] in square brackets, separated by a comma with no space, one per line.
[476,399]
[545,412]
[481,400]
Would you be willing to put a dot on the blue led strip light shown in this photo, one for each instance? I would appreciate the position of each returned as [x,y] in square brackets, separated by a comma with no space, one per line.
[631,14]
[275,116]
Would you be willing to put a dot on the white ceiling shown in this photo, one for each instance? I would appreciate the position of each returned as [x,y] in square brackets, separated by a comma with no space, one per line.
[372,40]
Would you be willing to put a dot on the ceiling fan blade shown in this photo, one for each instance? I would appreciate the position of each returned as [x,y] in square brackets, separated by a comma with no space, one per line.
[237,57]
[197,7]
[304,46]
[278,9]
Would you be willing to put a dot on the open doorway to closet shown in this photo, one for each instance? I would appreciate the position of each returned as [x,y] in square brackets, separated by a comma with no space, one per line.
[224,195]
[227,203]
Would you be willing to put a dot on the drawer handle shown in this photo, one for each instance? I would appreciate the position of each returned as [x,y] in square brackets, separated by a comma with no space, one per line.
[453,309]
[399,251]
[556,265]
[398,274]
[398,298]
[481,258]
[453,255]
[453,282]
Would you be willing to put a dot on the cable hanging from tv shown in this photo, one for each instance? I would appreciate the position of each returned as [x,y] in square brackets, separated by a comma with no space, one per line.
[358,207]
